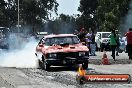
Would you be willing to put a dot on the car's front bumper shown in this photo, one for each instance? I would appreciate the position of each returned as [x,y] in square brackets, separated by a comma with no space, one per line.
[67,60]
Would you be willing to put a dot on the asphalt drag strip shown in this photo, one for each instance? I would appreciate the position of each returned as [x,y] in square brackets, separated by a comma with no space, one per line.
[38,78]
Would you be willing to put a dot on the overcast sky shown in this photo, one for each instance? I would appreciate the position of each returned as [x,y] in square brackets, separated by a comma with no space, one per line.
[68,7]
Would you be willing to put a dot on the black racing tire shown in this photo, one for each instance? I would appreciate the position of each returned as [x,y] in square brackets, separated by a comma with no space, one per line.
[45,66]
[85,65]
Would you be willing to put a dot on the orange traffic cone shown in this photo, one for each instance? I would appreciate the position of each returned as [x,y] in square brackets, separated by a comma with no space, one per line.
[105,60]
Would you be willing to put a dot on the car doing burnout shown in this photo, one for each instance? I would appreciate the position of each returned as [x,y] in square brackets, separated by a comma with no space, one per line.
[62,49]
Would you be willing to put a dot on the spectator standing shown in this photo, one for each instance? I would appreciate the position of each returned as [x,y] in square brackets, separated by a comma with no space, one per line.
[113,42]
[88,40]
[81,35]
[92,44]
[118,42]
[129,43]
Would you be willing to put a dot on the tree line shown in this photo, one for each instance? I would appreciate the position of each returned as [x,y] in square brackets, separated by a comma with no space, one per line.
[103,15]
[32,12]
[98,15]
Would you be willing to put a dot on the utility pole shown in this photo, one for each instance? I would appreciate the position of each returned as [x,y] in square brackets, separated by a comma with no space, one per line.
[18,17]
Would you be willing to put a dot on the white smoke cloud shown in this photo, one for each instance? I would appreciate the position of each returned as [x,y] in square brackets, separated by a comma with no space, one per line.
[127,21]
[23,57]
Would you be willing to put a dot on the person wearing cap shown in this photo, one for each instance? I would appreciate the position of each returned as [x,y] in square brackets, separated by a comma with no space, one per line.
[129,43]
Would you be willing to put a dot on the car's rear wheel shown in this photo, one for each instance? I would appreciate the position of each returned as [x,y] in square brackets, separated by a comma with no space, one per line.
[85,65]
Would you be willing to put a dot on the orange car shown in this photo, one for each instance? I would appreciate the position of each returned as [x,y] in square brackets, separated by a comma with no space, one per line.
[62,49]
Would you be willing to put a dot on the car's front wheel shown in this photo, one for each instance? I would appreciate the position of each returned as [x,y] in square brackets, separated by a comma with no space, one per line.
[46,66]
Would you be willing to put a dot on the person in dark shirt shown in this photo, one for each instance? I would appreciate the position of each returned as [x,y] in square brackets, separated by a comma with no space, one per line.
[81,35]
[118,42]
[129,43]
[113,43]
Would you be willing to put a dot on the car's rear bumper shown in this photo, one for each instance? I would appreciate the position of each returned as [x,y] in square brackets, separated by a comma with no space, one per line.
[67,61]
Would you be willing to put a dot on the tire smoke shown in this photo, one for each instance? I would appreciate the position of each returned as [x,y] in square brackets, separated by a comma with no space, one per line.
[126,22]
[21,53]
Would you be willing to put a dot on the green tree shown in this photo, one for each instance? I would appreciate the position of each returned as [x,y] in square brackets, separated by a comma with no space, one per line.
[110,12]
[35,11]
[88,17]
[32,12]
[2,13]
[64,24]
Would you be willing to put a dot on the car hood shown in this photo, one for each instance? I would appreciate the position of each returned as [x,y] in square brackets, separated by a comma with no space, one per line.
[67,48]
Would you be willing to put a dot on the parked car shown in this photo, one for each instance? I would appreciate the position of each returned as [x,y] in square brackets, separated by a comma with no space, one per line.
[102,40]
[62,49]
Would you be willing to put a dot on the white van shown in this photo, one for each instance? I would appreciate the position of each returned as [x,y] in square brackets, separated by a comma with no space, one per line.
[102,40]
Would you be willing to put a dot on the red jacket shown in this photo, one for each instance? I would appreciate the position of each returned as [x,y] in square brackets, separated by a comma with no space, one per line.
[129,37]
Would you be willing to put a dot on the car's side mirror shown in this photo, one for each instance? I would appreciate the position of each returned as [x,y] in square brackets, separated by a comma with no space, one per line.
[41,45]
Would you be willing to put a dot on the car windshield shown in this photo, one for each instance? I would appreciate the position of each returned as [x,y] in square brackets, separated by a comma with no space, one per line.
[61,40]
[105,35]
